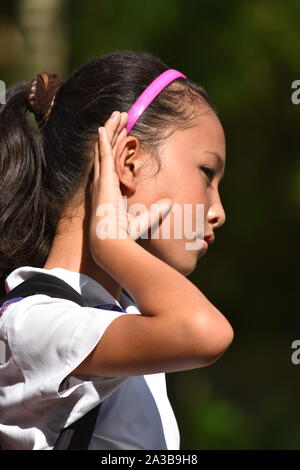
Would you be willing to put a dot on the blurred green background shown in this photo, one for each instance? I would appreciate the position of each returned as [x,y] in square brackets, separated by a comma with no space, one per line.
[246,54]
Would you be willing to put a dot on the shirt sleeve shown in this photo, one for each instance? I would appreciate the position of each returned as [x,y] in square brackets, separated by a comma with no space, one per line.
[48,338]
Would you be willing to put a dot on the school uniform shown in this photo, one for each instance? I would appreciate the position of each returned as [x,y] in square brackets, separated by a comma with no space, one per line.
[45,339]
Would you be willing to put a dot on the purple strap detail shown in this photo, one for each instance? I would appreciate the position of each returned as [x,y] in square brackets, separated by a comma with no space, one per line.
[103,306]
[10,301]
[111,307]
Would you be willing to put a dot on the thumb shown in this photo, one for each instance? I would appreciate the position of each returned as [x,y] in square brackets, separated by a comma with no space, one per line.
[161,207]
[140,224]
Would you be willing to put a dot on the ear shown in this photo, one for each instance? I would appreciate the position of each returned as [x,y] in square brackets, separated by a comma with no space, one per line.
[129,159]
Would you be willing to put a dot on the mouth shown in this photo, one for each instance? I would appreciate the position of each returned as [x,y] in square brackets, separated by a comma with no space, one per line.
[204,245]
[209,238]
[202,251]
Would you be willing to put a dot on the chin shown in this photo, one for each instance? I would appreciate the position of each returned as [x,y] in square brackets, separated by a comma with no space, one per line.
[184,261]
[184,264]
[188,268]
[190,263]
[186,271]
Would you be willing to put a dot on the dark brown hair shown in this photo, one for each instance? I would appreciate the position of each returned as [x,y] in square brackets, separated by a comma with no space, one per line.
[44,163]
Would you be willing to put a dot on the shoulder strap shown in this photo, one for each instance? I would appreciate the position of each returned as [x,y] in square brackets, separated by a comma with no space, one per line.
[48,284]
[76,436]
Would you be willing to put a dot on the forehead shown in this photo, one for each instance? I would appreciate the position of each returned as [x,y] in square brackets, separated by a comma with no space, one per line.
[206,135]
[204,140]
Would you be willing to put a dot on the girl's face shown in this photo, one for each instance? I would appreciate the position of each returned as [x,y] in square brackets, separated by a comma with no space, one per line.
[187,158]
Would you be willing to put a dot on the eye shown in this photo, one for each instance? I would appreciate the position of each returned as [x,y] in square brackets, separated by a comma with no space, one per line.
[209,171]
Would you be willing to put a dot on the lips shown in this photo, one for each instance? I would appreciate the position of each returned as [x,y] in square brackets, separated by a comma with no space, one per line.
[209,238]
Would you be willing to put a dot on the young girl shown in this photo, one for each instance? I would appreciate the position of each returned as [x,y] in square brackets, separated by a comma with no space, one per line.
[164,145]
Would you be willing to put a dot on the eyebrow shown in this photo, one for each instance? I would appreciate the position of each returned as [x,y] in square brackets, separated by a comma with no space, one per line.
[220,161]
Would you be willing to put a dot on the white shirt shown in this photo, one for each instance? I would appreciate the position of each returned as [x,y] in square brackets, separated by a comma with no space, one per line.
[45,339]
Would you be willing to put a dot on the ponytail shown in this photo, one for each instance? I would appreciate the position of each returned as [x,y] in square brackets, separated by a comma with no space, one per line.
[25,234]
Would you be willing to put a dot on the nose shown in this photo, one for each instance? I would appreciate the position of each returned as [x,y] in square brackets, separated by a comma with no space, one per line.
[216,215]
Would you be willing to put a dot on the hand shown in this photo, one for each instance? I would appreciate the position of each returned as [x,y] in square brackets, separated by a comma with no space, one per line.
[109,216]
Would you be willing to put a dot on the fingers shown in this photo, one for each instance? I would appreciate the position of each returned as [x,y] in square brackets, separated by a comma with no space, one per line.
[115,131]
[107,162]
[149,218]
[111,125]
[96,162]
[120,129]
[114,125]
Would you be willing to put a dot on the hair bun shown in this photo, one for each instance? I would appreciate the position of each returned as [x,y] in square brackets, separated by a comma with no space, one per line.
[41,94]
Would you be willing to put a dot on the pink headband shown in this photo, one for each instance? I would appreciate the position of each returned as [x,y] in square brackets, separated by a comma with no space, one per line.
[148,95]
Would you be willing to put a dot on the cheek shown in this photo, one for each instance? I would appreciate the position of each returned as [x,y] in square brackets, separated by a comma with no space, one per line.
[174,253]
[190,208]
[183,188]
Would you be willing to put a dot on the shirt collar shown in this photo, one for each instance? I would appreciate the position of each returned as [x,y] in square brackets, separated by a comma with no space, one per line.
[94,292]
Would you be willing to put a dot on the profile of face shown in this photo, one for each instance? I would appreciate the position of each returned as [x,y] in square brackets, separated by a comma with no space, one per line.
[192,165]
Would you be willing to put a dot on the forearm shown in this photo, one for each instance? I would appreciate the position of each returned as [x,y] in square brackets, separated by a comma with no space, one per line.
[158,288]
[162,292]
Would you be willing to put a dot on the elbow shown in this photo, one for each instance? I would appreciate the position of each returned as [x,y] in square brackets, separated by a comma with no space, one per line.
[214,335]
[225,341]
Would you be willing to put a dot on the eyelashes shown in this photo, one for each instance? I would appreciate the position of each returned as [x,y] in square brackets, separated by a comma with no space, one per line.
[210,172]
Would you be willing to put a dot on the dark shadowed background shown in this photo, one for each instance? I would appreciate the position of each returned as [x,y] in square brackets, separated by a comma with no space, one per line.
[246,55]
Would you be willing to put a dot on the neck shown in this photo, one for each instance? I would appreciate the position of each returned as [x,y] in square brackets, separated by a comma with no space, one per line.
[70,250]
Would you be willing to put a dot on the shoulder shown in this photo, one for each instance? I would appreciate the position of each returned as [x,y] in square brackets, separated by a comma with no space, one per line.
[53,325]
